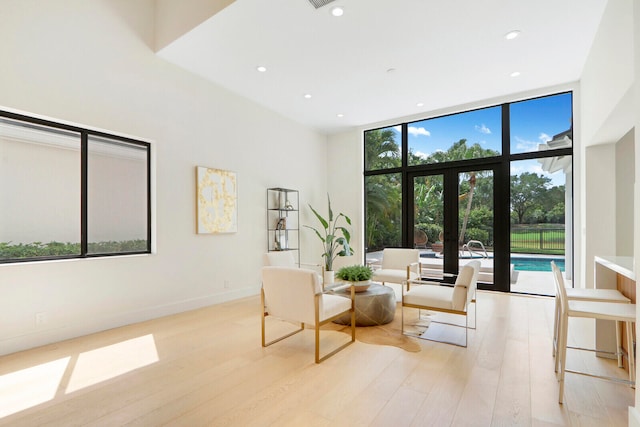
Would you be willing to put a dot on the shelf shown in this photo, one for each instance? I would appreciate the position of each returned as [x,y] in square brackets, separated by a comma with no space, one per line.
[283,221]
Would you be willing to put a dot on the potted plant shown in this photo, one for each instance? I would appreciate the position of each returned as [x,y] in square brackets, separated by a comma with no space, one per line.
[359,275]
[335,238]
[437,246]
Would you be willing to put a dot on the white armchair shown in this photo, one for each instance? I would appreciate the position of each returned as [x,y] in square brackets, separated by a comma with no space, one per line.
[398,266]
[286,259]
[280,259]
[295,295]
[433,296]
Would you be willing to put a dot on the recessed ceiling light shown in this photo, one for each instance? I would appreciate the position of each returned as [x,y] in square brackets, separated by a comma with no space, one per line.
[512,34]
[261,68]
[307,96]
[340,115]
[419,104]
[515,74]
[337,11]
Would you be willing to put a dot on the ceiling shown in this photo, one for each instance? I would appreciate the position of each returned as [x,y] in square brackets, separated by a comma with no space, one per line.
[386,59]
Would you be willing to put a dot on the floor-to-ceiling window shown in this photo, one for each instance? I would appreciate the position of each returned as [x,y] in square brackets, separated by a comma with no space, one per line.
[479,184]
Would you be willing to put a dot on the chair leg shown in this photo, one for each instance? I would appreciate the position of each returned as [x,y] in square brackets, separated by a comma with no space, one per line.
[317,342]
[631,359]
[263,315]
[554,345]
[475,313]
[619,344]
[557,328]
[353,324]
[561,354]
[466,330]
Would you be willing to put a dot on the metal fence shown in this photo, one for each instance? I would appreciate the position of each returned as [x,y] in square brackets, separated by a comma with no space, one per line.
[537,238]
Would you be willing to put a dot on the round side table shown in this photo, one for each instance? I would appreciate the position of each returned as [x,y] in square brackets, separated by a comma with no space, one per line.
[375,306]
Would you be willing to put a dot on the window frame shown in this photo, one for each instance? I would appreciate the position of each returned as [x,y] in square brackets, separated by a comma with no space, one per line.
[500,164]
[85,133]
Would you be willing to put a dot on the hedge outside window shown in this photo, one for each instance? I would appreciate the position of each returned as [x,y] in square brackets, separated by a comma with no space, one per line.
[70,192]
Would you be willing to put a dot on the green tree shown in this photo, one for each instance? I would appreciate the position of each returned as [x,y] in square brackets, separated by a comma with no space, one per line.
[384,209]
[381,151]
[383,192]
[527,191]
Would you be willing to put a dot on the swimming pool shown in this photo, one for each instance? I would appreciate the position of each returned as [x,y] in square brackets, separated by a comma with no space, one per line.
[520,263]
[536,264]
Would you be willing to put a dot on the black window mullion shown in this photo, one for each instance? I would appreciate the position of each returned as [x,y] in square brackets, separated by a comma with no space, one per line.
[406,227]
[149,198]
[84,201]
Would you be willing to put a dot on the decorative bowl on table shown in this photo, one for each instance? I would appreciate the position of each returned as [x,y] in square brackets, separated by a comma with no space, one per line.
[359,275]
[361,286]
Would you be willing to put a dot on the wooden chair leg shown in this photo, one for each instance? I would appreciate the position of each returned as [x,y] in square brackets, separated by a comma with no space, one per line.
[554,346]
[317,342]
[561,355]
[631,358]
[619,344]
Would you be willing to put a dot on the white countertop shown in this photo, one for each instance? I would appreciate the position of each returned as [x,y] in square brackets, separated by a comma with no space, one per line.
[620,264]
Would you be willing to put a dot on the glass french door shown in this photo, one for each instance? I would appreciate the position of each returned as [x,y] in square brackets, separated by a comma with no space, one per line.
[452,222]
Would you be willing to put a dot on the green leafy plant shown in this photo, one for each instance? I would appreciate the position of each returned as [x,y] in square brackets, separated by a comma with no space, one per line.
[355,273]
[9,251]
[333,243]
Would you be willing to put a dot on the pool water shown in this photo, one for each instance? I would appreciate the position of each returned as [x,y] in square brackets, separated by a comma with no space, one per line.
[519,263]
[536,264]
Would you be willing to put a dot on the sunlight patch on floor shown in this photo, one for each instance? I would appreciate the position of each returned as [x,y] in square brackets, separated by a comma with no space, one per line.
[32,386]
[104,363]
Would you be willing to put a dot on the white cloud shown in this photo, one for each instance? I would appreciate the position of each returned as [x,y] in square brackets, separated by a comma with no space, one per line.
[398,128]
[483,129]
[422,155]
[544,137]
[524,145]
[418,131]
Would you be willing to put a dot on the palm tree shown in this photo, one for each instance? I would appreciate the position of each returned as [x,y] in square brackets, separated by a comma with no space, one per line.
[381,151]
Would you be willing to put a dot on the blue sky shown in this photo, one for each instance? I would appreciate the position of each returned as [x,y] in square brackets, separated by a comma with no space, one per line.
[532,122]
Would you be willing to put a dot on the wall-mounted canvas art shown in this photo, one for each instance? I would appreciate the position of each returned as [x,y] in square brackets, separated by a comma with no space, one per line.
[217,201]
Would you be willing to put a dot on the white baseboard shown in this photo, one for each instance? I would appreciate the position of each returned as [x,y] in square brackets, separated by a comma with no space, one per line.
[56,333]
[634,417]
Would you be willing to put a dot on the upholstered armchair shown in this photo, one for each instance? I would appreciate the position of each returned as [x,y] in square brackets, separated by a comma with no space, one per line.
[434,296]
[398,266]
[286,259]
[295,295]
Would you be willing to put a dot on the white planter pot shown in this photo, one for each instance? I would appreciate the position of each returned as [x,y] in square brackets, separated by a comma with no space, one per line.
[329,277]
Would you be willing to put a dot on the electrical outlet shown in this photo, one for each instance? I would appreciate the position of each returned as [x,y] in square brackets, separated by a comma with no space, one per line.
[226,284]
[41,319]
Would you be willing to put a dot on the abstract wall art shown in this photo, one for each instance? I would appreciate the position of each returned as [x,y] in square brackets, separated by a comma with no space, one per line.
[217,201]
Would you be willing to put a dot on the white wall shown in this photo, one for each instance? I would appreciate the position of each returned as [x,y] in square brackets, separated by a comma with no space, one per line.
[608,75]
[610,109]
[345,183]
[607,115]
[92,63]
[600,197]
[634,414]
[625,178]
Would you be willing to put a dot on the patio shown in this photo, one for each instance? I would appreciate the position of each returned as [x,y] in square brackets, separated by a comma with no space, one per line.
[525,282]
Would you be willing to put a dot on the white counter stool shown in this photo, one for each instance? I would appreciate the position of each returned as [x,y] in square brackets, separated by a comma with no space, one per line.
[596,295]
[619,313]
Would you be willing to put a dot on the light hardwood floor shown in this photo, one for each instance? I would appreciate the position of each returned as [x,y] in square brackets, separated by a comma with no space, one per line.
[206,367]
